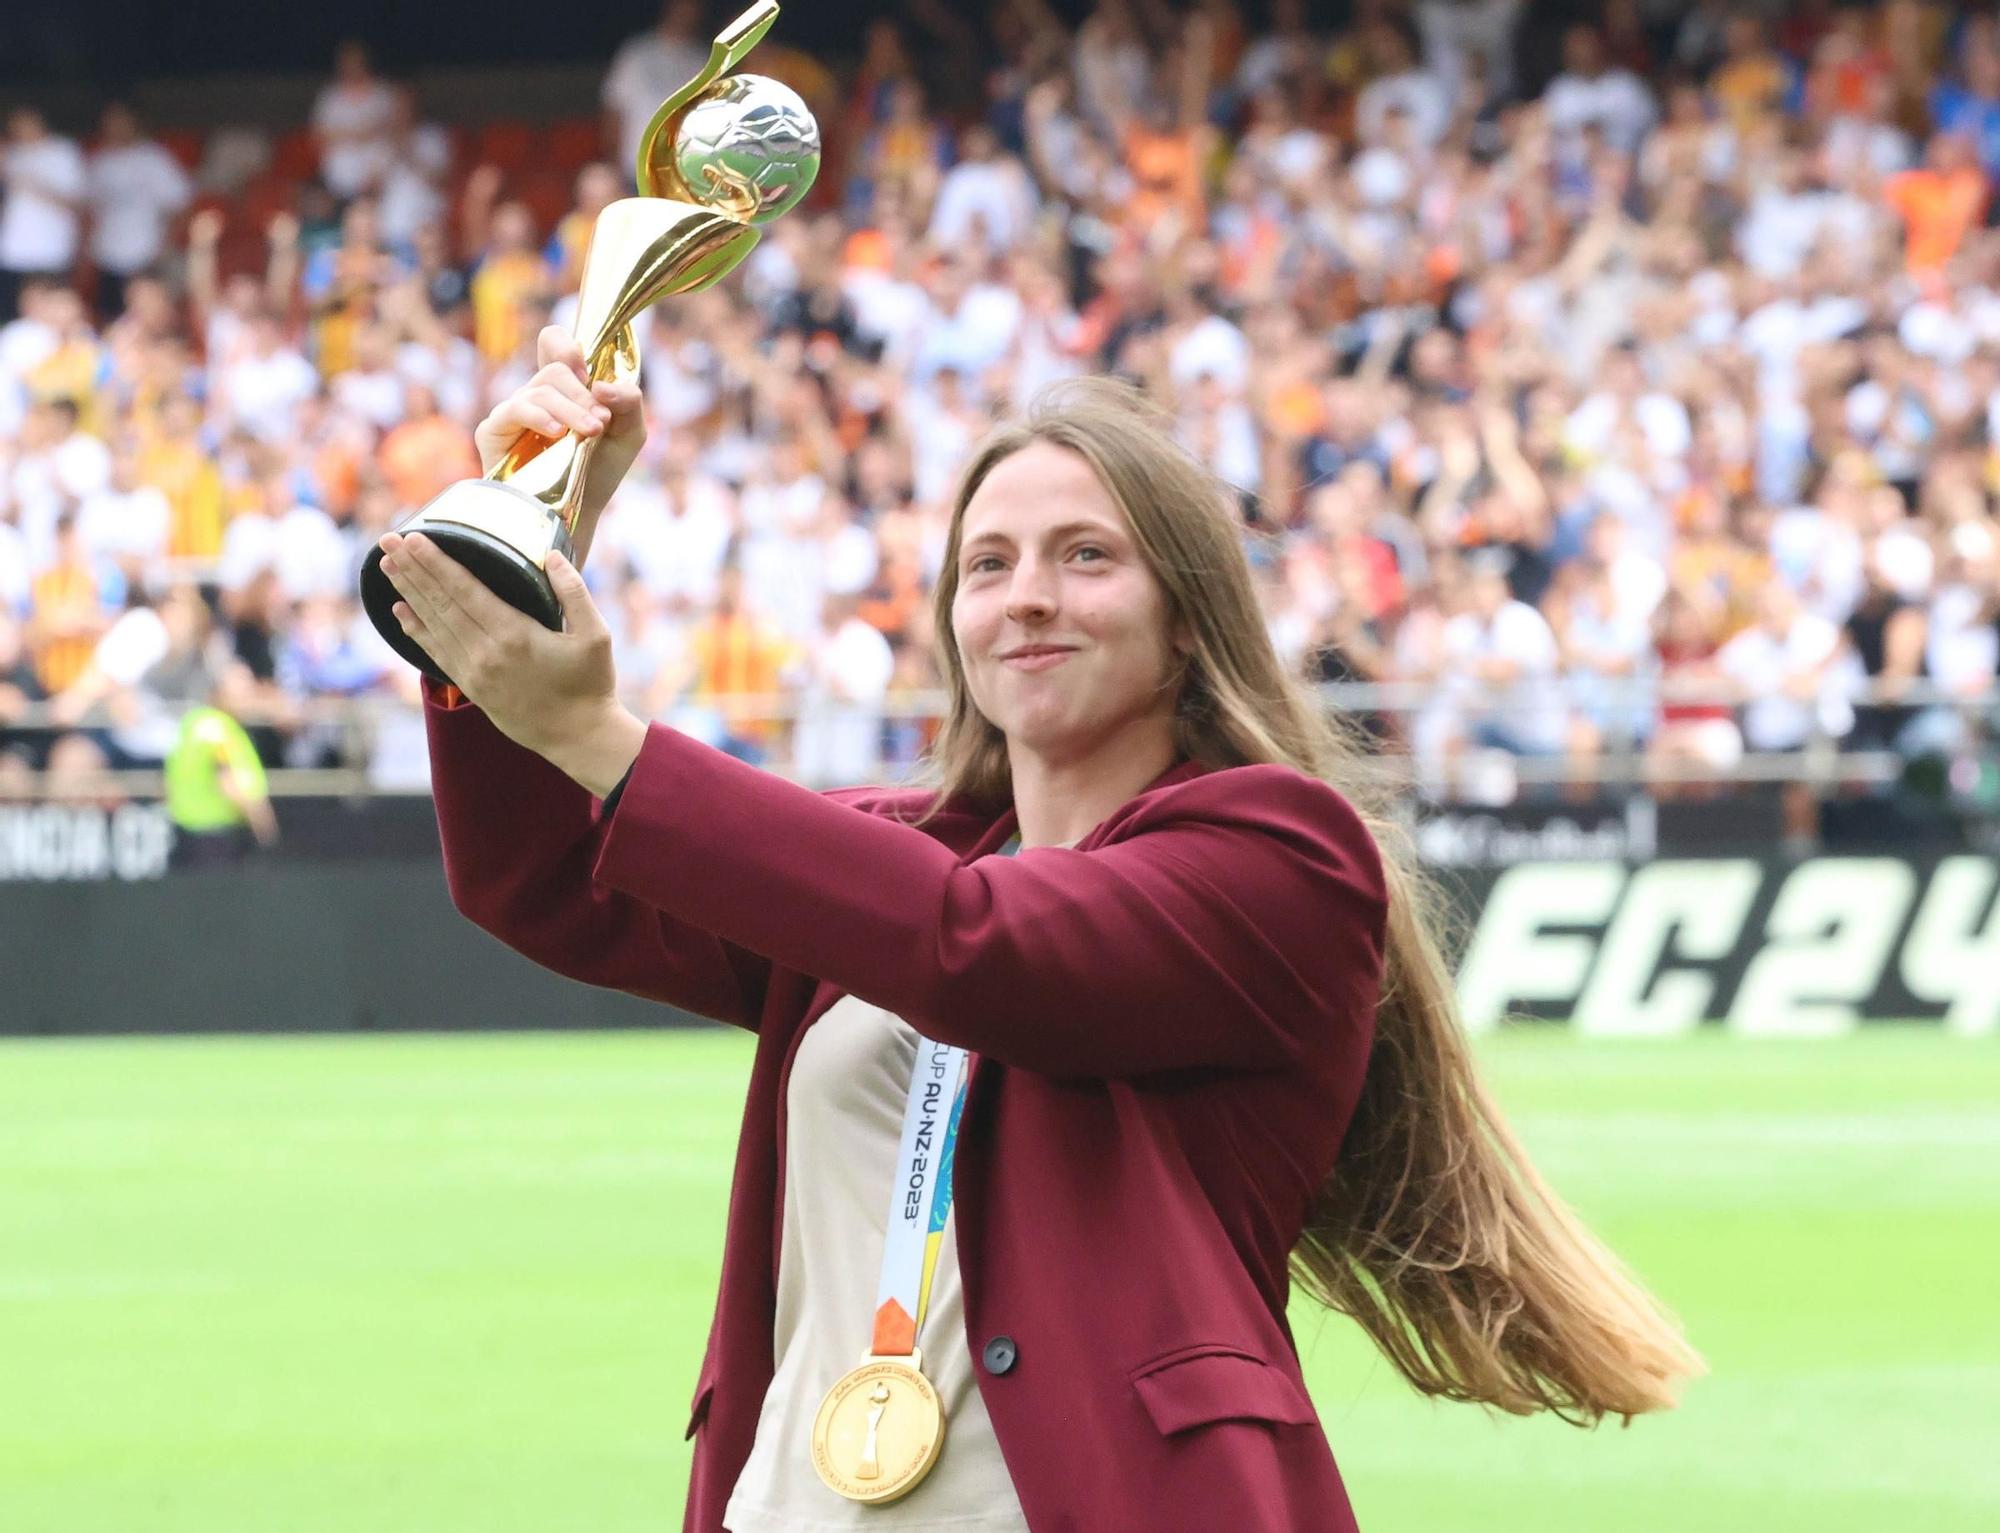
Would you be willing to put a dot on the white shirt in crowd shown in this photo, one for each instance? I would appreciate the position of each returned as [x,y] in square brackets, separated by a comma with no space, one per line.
[1419,94]
[264,393]
[1530,708]
[994,194]
[1766,663]
[890,309]
[839,734]
[39,226]
[135,190]
[644,72]
[1614,102]
[1211,346]
[1962,646]
[413,185]
[1663,419]
[940,439]
[41,486]
[312,557]
[374,396]
[973,336]
[126,524]
[304,546]
[1456,31]
[673,546]
[366,108]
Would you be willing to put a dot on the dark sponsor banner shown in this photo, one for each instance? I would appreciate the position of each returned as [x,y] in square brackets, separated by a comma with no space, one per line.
[54,843]
[1500,838]
[1768,946]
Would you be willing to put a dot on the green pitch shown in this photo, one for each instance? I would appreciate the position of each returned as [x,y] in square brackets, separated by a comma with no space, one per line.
[441,1284]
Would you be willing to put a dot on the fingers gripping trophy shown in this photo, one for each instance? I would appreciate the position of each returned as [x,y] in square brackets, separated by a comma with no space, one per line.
[725,154]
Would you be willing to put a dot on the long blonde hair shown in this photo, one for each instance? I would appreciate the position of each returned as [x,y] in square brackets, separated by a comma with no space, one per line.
[1434,1231]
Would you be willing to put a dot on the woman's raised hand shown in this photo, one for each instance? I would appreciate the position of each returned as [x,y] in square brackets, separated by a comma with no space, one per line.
[560,398]
[553,691]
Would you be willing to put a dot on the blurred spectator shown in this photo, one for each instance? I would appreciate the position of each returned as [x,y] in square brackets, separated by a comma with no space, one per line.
[43,177]
[740,662]
[136,189]
[412,186]
[1940,203]
[424,450]
[1593,95]
[1504,659]
[355,120]
[839,732]
[67,611]
[646,70]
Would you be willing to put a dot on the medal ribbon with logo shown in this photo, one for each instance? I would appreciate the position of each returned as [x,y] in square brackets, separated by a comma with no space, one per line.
[880,1429]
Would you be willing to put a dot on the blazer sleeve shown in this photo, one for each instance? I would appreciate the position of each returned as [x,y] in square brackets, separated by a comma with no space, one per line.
[1236,921]
[520,839]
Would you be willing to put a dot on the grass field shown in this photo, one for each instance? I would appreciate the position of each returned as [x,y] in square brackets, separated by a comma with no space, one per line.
[463,1283]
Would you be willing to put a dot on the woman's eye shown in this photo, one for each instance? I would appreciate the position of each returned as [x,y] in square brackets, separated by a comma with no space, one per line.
[1092,548]
[978,566]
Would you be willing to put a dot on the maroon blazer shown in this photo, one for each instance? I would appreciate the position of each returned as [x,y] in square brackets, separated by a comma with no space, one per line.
[1169,1022]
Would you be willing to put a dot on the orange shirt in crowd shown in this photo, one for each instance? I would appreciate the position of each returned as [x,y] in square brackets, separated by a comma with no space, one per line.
[573,240]
[192,483]
[498,288]
[420,457]
[72,371]
[738,660]
[1938,208]
[1165,173]
[1750,89]
[64,625]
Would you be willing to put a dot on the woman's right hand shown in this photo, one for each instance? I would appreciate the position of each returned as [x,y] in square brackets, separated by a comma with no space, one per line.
[558,399]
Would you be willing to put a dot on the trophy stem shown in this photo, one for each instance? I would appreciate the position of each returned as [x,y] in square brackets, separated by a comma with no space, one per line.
[642,249]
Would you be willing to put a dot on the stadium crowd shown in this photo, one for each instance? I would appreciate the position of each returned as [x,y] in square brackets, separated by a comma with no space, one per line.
[1636,391]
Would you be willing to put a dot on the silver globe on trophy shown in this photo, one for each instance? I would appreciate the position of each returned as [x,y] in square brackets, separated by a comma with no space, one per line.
[723,155]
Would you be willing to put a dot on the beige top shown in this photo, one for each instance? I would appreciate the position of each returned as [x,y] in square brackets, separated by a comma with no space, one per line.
[844,1108]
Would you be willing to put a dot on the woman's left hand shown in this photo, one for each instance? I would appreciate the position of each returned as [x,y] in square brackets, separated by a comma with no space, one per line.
[554,692]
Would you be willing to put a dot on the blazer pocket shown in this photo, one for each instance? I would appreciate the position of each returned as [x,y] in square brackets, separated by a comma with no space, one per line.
[1202,1384]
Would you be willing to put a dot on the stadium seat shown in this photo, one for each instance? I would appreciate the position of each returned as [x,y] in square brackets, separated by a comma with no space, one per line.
[295,156]
[547,192]
[184,144]
[573,142]
[507,143]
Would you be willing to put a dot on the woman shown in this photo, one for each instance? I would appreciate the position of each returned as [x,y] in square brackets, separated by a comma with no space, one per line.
[1212,1038]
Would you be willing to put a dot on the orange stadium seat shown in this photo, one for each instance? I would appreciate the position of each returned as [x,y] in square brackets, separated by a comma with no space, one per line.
[295,156]
[269,194]
[547,194]
[184,144]
[573,142]
[509,144]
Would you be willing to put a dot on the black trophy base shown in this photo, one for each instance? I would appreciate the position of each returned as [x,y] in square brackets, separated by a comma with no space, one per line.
[491,552]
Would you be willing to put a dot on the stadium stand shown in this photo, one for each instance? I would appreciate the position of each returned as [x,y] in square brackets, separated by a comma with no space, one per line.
[1627,414]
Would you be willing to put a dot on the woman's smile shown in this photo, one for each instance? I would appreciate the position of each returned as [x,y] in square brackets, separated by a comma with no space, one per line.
[1038,659]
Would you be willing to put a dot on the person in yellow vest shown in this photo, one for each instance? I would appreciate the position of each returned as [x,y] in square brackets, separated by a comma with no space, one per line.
[217,794]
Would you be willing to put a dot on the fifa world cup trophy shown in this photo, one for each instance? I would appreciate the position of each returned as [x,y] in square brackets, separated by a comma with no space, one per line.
[723,155]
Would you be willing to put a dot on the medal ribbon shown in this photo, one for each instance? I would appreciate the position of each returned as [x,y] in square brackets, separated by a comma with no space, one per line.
[920,1196]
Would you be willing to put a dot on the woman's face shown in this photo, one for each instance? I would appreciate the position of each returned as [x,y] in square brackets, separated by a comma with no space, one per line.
[1047,560]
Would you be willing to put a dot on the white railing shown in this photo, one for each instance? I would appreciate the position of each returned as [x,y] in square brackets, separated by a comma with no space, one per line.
[1821,762]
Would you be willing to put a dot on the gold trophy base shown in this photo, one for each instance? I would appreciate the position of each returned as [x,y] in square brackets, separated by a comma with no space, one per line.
[502,534]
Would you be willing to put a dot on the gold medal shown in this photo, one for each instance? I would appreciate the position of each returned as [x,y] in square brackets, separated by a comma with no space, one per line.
[879,1430]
